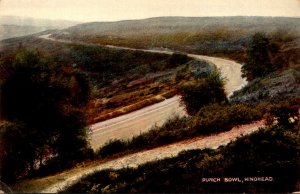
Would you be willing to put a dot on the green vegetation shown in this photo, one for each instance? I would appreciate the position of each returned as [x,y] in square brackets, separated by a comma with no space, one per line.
[210,119]
[200,92]
[270,152]
[258,61]
[274,87]
[129,78]
[111,63]
[226,37]
[42,105]
[217,118]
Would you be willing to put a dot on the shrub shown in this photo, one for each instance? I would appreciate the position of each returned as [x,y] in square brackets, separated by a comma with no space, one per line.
[112,147]
[258,61]
[177,59]
[200,92]
[285,113]
[217,118]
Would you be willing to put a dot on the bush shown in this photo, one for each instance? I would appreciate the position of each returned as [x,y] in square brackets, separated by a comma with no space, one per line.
[285,113]
[258,61]
[217,118]
[177,59]
[112,147]
[200,92]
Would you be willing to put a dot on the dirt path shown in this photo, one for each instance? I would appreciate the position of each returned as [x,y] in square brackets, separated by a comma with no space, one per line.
[134,123]
[231,70]
[134,160]
[138,121]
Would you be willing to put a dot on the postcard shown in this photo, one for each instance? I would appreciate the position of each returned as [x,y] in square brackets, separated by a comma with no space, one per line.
[149,96]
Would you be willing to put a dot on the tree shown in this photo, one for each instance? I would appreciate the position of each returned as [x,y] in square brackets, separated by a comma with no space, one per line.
[46,103]
[177,59]
[199,92]
[16,151]
[258,57]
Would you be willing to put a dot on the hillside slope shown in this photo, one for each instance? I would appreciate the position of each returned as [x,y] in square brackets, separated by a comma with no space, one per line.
[162,25]
[13,26]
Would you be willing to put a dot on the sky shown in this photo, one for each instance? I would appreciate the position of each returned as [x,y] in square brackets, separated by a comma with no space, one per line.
[113,10]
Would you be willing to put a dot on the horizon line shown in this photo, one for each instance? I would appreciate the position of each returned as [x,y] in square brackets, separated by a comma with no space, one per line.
[86,21]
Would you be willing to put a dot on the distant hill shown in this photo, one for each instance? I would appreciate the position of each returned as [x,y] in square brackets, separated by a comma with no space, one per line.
[217,36]
[10,31]
[12,26]
[185,25]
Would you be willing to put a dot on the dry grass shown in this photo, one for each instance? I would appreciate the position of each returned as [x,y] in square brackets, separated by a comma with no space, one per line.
[133,107]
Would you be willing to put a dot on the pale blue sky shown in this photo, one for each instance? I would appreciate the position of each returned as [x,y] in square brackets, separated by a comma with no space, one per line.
[112,10]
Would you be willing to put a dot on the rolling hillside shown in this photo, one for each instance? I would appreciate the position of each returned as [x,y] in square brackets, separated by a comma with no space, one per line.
[12,26]
[217,36]
[161,25]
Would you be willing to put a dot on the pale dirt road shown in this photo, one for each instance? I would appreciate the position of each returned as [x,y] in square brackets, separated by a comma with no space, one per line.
[131,124]
[230,70]
[136,159]
[134,123]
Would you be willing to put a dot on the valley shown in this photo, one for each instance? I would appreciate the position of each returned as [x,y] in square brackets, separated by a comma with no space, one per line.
[117,106]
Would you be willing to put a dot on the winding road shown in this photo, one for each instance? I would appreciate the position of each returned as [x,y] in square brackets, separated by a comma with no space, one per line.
[134,123]
[137,122]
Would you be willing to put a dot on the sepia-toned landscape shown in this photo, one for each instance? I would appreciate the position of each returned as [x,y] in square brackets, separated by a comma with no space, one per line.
[161,104]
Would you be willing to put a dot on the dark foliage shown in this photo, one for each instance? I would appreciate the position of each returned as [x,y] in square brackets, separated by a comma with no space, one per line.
[258,61]
[218,118]
[284,114]
[177,59]
[112,147]
[107,63]
[200,92]
[48,101]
